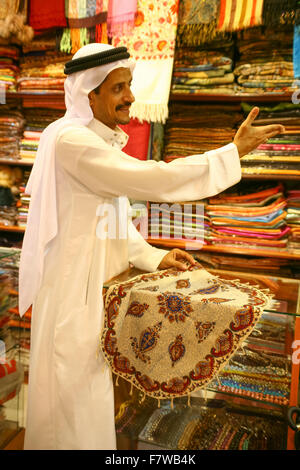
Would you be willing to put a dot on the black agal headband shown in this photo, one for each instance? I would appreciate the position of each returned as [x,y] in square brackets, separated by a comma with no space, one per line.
[94,60]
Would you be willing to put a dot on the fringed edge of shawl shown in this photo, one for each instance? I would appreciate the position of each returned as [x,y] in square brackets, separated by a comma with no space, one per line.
[196,34]
[149,112]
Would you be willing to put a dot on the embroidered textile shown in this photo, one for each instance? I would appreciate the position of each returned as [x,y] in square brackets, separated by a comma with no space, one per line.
[151,44]
[170,333]
[279,12]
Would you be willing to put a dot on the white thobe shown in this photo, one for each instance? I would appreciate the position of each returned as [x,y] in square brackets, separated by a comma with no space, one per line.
[70,395]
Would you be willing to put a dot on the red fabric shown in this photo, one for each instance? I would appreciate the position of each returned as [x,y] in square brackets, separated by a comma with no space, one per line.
[46,15]
[138,141]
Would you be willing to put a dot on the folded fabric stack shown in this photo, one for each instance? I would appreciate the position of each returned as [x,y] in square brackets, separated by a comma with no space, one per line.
[280,154]
[9,67]
[42,74]
[194,129]
[36,121]
[253,219]
[204,70]
[11,127]
[181,225]
[24,200]
[293,217]
[265,63]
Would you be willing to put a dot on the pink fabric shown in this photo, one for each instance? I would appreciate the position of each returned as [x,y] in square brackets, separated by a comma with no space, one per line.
[138,141]
[120,16]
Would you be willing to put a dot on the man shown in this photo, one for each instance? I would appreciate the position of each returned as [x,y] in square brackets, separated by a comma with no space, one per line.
[80,170]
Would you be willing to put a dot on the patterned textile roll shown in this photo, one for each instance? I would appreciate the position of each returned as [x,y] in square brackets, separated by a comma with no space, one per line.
[171,332]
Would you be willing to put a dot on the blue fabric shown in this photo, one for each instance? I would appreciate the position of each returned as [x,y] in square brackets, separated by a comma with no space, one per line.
[296,51]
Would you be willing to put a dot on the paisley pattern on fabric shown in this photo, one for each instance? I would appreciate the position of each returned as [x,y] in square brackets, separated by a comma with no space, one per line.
[203,329]
[169,334]
[176,349]
[136,309]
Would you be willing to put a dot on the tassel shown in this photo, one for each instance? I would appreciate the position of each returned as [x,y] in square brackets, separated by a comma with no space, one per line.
[189,401]
[131,389]
[117,381]
[158,403]
[172,403]
[84,37]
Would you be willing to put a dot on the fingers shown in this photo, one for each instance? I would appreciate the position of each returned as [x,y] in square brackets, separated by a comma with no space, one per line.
[273,129]
[185,255]
[251,116]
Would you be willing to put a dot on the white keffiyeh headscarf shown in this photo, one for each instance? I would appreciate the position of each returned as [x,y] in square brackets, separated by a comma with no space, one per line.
[42,218]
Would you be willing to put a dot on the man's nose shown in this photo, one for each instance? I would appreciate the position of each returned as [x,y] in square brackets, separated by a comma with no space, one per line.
[129,96]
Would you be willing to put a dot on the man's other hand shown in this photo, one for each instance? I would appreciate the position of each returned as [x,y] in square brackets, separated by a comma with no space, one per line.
[177,259]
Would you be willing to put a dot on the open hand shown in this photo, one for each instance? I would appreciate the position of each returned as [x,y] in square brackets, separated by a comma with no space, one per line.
[177,258]
[249,137]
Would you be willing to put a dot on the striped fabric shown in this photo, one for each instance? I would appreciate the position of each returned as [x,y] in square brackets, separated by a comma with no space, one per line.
[239,14]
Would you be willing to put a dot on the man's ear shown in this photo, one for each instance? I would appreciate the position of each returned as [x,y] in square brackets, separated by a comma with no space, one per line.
[91,98]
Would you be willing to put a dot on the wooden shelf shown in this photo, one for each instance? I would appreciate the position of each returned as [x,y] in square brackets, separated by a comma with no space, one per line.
[230,98]
[16,162]
[271,177]
[229,249]
[14,228]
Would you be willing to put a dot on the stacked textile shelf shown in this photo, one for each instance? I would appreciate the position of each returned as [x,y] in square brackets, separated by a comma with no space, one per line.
[193,129]
[11,128]
[10,178]
[280,154]
[9,68]
[206,69]
[42,74]
[293,217]
[252,217]
[265,63]
[36,121]
[178,224]
[24,201]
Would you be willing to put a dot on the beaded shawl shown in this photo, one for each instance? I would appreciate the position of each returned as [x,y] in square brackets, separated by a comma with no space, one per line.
[171,332]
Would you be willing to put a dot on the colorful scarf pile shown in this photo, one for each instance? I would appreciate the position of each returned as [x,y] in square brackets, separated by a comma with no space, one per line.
[87,23]
[151,45]
[250,219]
[280,154]
[206,69]
[265,63]
[293,217]
[170,333]
[239,14]
[120,17]
[9,69]
[196,129]
[11,127]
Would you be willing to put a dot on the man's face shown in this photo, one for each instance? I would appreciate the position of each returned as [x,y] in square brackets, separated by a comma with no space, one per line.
[111,105]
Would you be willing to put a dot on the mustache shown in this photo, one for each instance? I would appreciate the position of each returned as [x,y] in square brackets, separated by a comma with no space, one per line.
[120,106]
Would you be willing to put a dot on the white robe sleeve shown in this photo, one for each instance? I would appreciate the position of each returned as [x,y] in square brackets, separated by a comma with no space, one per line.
[109,172]
[141,254]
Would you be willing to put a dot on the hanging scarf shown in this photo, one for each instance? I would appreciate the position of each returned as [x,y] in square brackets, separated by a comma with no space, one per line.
[170,333]
[120,17]
[239,14]
[45,15]
[86,24]
[279,12]
[152,44]
[197,21]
